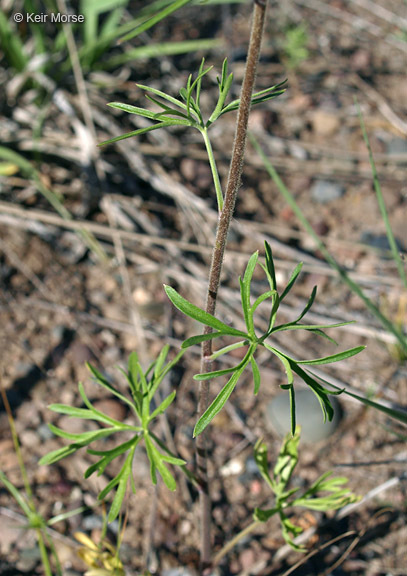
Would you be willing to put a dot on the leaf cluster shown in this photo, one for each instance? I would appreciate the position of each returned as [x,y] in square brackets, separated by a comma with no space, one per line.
[186,109]
[143,388]
[252,341]
[335,495]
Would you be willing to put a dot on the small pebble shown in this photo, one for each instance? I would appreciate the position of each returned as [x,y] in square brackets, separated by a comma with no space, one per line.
[324,191]
[308,413]
[379,241]
[396,146]
[178,572]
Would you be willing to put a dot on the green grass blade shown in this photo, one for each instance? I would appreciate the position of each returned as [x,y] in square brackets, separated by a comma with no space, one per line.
[160,50]
[53,199]
[382,206]
[11,44]
[154,19]
[18,497]
[388,325]
[395,413]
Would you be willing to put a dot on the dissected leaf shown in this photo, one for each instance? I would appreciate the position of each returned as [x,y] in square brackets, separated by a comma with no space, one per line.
[222,397]
[198,314]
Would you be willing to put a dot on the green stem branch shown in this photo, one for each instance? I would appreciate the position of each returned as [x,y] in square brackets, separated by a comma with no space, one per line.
[214,170]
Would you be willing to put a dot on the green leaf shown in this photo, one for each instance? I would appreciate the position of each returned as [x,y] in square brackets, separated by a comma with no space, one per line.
[334,357]
[269,268]
[198,82]
[165,96]
[258,97]
[167,110]
[82,413]
[199,338]
[320,392]
[99,416]
[260,457]
[59,454]
[224,87]
[262,298]
[167,456]
[319,332]
[256,376]
[292,280]
[287,460]
[294,326]
[103,382]
[290,530]
[216,373]
[163,406]
[293,414]
[109,455]
[245,286]
[264,515]
[227,349]
[156,463]
[168,367]
[82,438]
[198,314]
[133,110]
[168,122]
[284,359]
[161,360]
[221,398]
[308,305]
[121,490]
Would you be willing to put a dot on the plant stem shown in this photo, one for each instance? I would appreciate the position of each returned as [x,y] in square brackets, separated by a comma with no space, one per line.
[232,543]
[235,171]
[215,174]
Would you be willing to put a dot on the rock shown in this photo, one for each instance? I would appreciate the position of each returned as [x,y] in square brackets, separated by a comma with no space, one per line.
[324,191]
[112,408]
[81,353]
[325,123]
[361,60]
[178,572]
[379,241]
[308,412]
[396,146]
